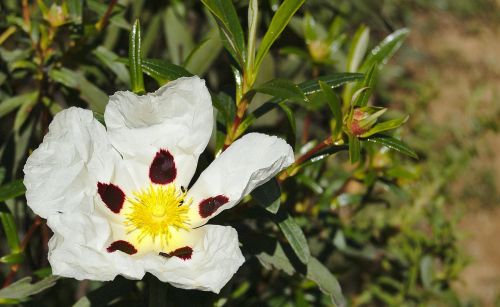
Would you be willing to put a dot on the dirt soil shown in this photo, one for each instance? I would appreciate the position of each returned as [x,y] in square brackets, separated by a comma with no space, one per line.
[463,55]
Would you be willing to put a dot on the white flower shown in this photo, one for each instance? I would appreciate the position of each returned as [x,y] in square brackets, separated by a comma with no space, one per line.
[116,198]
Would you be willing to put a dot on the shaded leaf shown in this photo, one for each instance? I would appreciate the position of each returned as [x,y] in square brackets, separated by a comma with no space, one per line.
[9,228]
[354,149]
[268,195]
[358,47]
[12,190]
[281,88]
[327,283]
[163,71]
[362,95]
[23,288]
[333,80]
[109,59]
[106,293]
[294,235]
[10,104]
[334,104]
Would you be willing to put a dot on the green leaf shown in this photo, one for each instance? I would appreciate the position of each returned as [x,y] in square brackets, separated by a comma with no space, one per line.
[392,143]
[327,283]
[94,96]
[10,104]
[11,190]
[384,51]
[106,293]
[135,59]
[357,49]
[14,258]
[291,137]
[109,58]
[268,195]
[384,126]
[334,104]
[226,106]
[10,228]
[333,80]
[253,21]
[23,288]
[363,94]
[281,88]
[179,39]
[75,9]
[204,54]
[278,23]
[354,149]
[294,235]
[230,27]
[163,71]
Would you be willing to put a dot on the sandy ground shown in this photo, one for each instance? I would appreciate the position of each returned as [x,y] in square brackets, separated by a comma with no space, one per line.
[464,56]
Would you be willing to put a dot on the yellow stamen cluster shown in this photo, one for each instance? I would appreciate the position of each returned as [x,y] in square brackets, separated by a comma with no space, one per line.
[156,210]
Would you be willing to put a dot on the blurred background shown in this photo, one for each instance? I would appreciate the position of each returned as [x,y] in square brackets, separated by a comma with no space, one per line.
[425,234]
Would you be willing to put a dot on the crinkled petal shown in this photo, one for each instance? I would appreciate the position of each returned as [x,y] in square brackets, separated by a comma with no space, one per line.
[78,249]
[246,164]
[178,117]
[61,174]
[215,258]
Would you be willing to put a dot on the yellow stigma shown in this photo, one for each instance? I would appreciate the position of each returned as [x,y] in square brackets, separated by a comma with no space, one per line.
[156,210]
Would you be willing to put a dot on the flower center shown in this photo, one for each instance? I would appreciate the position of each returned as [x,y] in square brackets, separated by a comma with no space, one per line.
[157,210]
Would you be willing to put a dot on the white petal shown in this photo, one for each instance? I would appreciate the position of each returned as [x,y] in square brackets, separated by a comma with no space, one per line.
[78,249]
[216,257]
[246,164]
[62,173]
[177,117]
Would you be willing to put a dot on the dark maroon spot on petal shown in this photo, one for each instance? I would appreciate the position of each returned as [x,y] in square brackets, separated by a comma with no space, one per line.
[162,169]
[210,205]
[111,195]
[184,253]
[123,246]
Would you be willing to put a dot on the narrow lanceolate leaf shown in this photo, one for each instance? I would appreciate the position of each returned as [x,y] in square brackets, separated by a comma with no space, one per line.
[334,104]
[384,51]
[392,143]
[295,236]
[361,100]
[278,23]
[109,58]
[333,80]
[163,71]
[281,88]
[268,195]
[204,54]
[327,283]
[11,190]
[230,27]
[9,228]
[384,126]
[23,113]
[94,96]
[10,104]
[253,21]
[135,59]
[357,49]
[274,255]
[354,149]
[291,137]
[23,288]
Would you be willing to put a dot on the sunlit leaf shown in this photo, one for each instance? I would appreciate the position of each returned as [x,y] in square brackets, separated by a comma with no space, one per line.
[384,126]
[354,149]
[135,59]
[281,88]
[392,143]
[23,288]
[384,51]
[278,23]
[10,104]
[11,190]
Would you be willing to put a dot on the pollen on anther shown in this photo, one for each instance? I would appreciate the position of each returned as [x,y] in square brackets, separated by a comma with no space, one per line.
[208,206]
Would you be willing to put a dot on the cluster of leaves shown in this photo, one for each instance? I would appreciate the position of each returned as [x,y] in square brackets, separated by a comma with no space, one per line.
[322,225]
